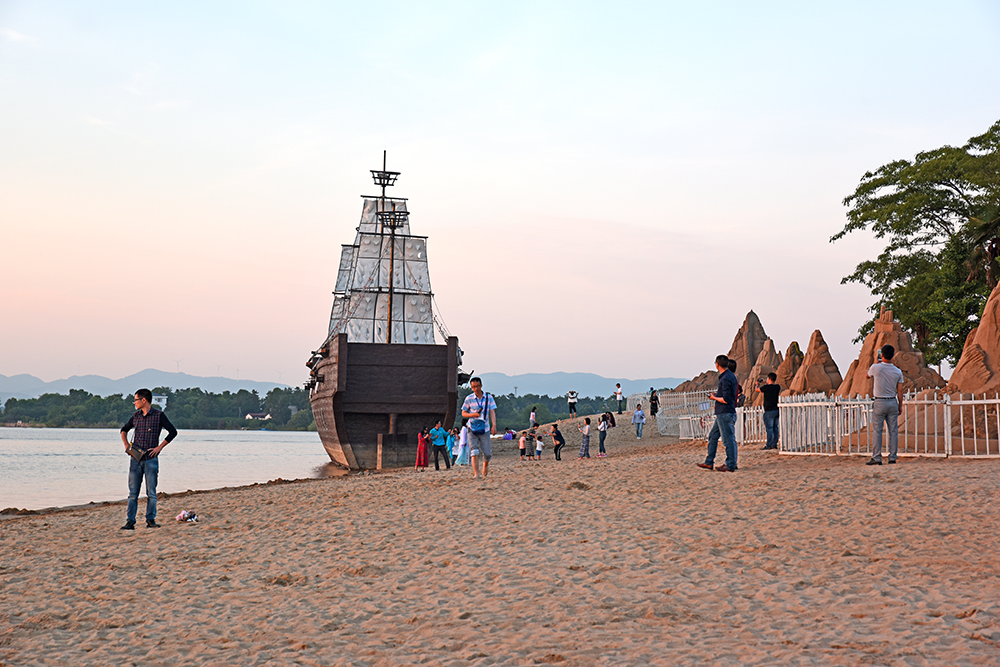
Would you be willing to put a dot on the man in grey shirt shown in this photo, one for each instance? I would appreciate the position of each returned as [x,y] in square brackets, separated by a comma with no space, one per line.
[888,392]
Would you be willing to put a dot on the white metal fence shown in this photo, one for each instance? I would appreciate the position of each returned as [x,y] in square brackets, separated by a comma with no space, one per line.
[674,407]
[697,420]
[929,425]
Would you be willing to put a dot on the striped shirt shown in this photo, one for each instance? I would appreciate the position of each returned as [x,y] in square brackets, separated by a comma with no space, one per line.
[147,428]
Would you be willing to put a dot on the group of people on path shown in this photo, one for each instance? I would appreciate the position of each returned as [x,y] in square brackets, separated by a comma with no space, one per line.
[887,389]
[452,445]
[471,444]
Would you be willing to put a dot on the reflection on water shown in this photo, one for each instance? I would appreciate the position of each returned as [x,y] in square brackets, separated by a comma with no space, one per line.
[52,467]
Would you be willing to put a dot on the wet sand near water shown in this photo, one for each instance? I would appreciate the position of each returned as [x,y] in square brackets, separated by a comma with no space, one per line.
[637,558]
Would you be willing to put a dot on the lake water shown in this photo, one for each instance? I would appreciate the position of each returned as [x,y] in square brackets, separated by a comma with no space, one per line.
[56,467]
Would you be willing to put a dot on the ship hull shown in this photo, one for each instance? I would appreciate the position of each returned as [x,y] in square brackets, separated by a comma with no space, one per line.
[367,393]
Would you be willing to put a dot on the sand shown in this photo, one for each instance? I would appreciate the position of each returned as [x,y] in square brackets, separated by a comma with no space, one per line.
[639,558]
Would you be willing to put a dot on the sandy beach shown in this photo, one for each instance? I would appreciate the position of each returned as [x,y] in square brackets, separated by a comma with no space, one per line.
[639,558]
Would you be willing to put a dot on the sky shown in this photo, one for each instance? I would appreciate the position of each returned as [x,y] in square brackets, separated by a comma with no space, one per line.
[607,187]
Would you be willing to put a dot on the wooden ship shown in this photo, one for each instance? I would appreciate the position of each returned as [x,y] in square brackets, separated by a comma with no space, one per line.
[380,377]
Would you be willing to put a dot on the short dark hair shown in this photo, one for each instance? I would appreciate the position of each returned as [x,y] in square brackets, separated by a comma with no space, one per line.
[888,352]
[732,365]
[773,377]
[475,379]
[148,395]
[722,361]
[586,419]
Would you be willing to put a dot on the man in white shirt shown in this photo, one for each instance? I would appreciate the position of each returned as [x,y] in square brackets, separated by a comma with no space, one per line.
[888,391]
[618,396]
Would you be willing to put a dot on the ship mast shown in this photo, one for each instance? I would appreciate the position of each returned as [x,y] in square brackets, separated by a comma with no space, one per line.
[391,219]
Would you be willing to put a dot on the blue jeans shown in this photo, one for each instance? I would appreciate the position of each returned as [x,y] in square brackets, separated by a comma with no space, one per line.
[771,426]
[638,429]
[137,470]
[885,411]
[603,435]
[620,406]
[725,426]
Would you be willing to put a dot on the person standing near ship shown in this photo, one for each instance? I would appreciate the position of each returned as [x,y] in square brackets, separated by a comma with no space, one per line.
[618,396]
[481,411]
[147,423]
[439,437]
[462,456]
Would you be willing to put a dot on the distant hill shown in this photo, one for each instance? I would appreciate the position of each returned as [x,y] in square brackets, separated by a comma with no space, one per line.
[552,384]
[28,386]
[557,384]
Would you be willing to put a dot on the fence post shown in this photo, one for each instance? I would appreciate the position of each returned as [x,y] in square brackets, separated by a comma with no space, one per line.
[947,425]
[838,425]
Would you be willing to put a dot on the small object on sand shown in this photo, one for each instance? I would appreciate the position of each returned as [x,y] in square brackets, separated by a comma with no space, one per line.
[578,485]
[187,517]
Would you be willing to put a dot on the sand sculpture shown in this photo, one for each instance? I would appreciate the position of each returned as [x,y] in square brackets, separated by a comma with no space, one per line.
[978,370]
[888,331]
[818,372]
[790,366]
[706,381]
[768,361]
[747,346]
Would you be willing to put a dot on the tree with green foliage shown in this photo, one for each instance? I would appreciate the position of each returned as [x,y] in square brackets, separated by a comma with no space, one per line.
[940,215]
[77,408]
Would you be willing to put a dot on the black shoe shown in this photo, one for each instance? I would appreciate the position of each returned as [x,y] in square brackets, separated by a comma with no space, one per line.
[891,462]
[766,447]
[873,462]
[128,526]
[152,524]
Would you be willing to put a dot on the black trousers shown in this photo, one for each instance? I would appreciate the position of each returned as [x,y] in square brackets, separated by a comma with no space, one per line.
[557,449]
[443,450]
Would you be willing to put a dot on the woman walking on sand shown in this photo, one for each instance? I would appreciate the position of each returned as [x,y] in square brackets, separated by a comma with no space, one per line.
[423,442]
[462,453]
[602,428]
[585,440]
[638,418]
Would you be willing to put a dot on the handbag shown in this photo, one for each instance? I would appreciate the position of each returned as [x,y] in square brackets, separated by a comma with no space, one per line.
[136,453]
[478,425]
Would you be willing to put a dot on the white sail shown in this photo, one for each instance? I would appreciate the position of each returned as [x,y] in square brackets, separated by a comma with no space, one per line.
[362,294]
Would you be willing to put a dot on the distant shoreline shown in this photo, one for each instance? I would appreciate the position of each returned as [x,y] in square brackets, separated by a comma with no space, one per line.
[82,427]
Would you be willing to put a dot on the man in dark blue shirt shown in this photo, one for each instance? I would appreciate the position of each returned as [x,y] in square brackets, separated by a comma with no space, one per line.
[725,418]
[145,464]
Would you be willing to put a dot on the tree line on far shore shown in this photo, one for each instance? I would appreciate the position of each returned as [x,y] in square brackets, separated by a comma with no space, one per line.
[186,408]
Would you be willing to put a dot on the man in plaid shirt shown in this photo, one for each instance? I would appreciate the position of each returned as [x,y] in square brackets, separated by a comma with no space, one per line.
[147,423]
